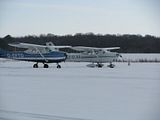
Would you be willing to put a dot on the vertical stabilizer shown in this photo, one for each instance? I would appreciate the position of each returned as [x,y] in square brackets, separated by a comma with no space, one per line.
[49,45]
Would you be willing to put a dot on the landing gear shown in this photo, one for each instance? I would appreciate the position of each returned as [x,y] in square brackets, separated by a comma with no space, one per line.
[45,66]
[99,65]
[35,65]
[111,65]
[58,66]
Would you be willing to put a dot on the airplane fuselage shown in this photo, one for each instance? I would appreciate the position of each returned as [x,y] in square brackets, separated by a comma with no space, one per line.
[51,57]
[94,58]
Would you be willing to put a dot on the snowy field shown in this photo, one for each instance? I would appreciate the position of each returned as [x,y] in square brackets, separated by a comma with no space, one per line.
[76,92]
[141,57]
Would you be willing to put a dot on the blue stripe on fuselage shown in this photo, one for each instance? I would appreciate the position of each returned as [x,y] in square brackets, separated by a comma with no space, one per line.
[22,54]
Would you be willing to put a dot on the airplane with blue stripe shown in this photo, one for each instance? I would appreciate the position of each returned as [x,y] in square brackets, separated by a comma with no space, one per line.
[35,54]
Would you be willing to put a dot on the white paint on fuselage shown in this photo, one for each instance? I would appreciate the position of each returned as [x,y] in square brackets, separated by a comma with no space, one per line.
[101,57]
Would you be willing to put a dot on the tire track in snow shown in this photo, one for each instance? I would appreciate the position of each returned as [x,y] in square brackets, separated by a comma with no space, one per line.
[34,115]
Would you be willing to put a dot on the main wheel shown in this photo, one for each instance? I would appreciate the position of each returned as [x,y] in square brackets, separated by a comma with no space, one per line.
[111,66]
[35,66]
[45,66]
[99,65]
[58,66]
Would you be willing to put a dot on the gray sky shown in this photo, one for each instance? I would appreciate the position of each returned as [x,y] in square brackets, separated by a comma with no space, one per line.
[60,17]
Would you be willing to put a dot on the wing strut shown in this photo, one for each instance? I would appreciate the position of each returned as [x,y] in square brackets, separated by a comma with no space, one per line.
[41,55]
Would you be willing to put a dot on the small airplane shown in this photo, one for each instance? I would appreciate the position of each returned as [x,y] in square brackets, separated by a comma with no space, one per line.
[36,53]
[90,54]
[94,55]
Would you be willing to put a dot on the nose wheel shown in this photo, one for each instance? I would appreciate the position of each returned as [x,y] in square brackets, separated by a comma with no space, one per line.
[111,65]
[58,66]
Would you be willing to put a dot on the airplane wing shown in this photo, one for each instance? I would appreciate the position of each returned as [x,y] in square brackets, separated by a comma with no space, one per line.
[33,46]
[82,48]
[37,49]
[57,47]
[52,47]
[111,48]
[26,45]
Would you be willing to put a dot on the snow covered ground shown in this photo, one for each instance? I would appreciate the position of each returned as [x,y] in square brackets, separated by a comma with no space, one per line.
[141,57]
[77,92]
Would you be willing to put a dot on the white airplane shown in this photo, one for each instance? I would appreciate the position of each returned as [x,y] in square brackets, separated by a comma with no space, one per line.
[36,53]
[91,54]
[94,55]
[97,56]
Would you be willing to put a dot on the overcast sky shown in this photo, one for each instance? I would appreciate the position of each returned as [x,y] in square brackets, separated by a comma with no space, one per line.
[60,17]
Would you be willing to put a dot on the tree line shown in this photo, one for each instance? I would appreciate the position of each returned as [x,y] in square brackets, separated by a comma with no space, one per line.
[127,42]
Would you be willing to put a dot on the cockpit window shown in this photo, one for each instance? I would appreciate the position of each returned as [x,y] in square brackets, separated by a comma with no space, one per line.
[48,49]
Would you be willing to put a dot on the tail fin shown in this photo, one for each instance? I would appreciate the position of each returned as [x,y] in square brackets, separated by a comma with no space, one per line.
[49,44]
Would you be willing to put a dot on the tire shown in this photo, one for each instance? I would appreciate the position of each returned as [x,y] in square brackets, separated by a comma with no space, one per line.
[35,66]
[45,66]
[58,66]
